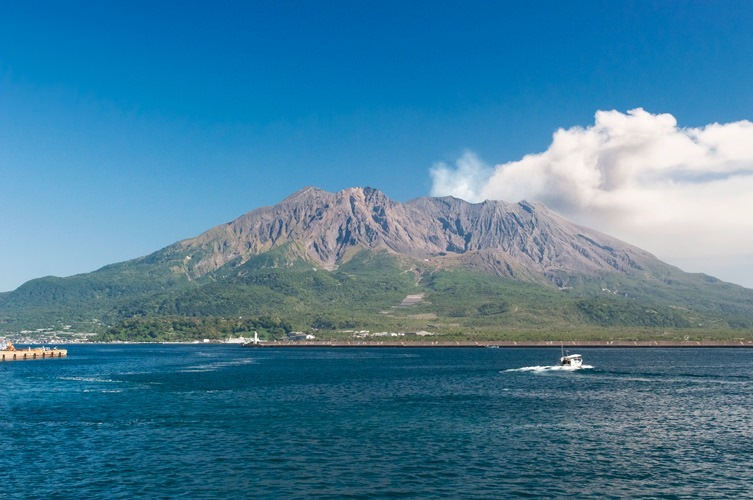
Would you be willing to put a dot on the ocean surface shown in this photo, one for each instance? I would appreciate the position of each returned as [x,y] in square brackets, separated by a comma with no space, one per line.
[221,421]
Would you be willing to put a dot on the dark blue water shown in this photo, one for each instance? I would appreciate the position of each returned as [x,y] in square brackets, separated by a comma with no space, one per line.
[166,421]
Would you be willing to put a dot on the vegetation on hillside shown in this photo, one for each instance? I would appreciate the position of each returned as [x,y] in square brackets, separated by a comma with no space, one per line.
[143,303]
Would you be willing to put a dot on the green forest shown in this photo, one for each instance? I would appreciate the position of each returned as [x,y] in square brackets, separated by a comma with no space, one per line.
[142,303]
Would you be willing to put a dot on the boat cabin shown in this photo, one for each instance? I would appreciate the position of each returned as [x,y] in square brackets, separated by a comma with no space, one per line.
[573,360]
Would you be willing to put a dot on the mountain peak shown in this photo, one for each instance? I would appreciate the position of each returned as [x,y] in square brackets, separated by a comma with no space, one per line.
[307,192]
[523,239]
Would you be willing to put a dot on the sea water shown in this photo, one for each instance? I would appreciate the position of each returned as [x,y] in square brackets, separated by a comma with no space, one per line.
[221,421]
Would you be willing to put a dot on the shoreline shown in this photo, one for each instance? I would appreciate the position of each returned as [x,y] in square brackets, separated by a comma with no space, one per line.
[502,344]
[507,344]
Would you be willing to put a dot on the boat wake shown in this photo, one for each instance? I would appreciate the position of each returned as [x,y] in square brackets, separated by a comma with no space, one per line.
[216,365]
[555,368]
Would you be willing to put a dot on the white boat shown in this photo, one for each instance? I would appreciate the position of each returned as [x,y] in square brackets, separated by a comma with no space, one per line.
[571,360]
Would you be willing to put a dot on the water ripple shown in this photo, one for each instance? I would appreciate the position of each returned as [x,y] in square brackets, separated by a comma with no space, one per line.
[203,422]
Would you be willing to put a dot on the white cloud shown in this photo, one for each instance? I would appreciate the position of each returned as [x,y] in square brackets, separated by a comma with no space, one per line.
[685,194]
[465,181]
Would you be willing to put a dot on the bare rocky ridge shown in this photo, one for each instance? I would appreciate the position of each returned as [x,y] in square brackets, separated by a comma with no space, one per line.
[523,240]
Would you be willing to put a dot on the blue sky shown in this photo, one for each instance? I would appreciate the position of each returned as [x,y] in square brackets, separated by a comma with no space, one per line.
[126,126]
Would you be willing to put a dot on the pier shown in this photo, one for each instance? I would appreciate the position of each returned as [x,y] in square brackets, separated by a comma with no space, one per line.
[9,353]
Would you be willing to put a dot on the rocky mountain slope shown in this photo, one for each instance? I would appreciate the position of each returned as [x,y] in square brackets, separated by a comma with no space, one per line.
[522,240]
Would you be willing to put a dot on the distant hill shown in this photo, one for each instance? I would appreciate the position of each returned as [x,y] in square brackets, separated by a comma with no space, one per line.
[328,262]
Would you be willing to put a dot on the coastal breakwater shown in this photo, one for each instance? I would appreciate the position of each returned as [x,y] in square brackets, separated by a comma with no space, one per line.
[505,344]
